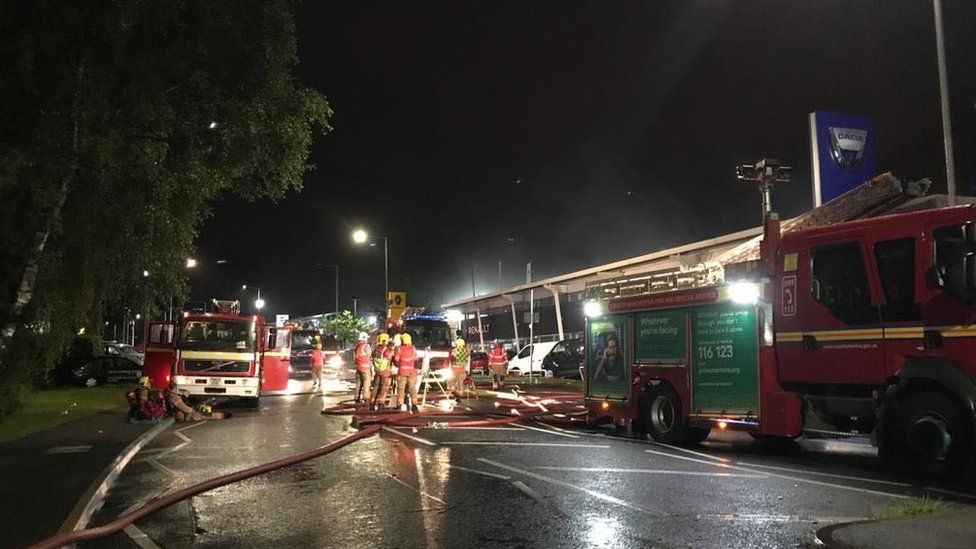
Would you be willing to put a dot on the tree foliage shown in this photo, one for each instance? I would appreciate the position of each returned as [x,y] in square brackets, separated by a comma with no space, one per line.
[137,115]
[345,326]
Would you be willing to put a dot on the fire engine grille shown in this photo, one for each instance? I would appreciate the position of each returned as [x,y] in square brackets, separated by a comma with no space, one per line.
[216,366]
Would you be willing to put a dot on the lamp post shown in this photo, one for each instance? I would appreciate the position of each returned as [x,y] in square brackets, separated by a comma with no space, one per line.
[258,303]
[360,236]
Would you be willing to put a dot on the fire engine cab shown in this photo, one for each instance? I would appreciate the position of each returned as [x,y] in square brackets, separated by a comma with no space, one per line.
[220,354]
[859,327]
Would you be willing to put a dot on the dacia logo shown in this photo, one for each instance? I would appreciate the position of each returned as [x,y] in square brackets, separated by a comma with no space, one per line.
[847,146]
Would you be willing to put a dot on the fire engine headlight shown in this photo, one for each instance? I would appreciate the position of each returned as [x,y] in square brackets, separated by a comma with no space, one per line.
[744,293]
[335,361]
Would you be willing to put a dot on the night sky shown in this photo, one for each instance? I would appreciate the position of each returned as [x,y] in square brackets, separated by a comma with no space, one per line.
[572,134]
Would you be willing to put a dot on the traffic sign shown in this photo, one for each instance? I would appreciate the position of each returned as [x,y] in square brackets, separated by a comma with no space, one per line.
[396,303]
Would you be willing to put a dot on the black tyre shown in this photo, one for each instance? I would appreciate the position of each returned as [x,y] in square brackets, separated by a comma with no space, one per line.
[696,435]
[929,434]
[661,415]
[253,402]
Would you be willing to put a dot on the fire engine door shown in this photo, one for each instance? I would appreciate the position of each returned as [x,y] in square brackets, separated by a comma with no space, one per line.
[276,359]
[160,354]
[829,330]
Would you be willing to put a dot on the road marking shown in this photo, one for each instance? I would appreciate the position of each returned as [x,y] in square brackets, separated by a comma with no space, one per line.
[538,498]
[594,493]
[553,427]
[778,475]
[759,517]
[480,472]
[486,428]
[67,450]
[411,437]
[651,472]
[162,468]
[549,432]
[425,494]
[832,475]
[139,537]
[949,492]
[488,443]
[694,453]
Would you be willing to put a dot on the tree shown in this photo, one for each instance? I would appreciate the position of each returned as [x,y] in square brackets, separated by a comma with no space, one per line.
[120,123]
[345,326]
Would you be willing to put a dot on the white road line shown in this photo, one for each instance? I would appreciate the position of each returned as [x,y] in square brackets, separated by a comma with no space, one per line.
[139,537]
[832,475]
[759,517]
[538,498]
[787,477]
[489,443]
[549,432]
[553,427]
[425,494]
[694,453]
[480,472]
[162,467]
[594,493]
[949,492]
[652,472]
[485,428]
[411,437]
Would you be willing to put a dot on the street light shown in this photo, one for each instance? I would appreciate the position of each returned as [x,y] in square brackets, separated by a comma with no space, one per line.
[191,263]
[145,273]
[259,303]
[360,236]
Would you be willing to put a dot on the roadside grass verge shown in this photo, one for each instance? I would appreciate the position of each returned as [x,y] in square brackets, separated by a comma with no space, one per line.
[46,408]
[912,508]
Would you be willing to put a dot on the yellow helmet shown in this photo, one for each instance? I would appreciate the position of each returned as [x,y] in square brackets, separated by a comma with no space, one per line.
[459,342]
[406,339]
[383,338]
[144,382]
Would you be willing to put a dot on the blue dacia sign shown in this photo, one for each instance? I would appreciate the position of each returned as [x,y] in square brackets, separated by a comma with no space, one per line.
[842,153]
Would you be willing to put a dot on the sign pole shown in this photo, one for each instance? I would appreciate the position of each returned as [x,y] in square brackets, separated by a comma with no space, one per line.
[944,97]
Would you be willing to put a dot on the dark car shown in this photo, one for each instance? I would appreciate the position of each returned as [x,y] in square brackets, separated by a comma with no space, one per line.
[565,359]
[479,362]
[109,369]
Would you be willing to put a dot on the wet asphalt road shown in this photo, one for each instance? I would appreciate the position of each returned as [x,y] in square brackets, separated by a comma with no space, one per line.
[534,485]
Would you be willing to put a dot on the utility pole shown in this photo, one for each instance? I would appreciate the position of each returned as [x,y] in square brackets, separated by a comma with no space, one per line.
[528,280]
[944,97]
[499,277]
[473,294]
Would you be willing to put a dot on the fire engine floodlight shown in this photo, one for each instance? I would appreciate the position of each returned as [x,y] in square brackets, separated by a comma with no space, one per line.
[454,315]
[359,236]
[259,303]
[744,293]
[593,309]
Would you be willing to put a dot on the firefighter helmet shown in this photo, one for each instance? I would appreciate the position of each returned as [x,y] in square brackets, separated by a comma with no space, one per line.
[406,339]
[459,342]
[363,336]
[383,338]
[144,382]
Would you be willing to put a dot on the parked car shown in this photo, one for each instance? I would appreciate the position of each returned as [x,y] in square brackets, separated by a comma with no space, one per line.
[479,362]
[108,369]
[114,348]
[565,359]
[535,352]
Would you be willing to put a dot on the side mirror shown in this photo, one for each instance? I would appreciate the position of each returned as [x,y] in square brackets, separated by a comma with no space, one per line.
[815,287]
[969,270]
[272,338]
[936,277]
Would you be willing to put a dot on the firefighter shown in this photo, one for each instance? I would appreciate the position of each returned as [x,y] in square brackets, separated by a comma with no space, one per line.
[363,356]
[180,410]
[405,360]
[318,362]
[498,363]
[382,356]
[460,362]
[145,404]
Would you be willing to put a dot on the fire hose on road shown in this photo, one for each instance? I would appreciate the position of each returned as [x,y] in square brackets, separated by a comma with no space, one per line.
[519,408]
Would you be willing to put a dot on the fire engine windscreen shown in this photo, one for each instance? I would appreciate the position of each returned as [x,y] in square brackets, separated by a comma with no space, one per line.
[955,260]
[219,336]
[434,334]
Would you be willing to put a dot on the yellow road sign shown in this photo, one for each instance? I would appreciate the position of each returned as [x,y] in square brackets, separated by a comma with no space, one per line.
[396,303]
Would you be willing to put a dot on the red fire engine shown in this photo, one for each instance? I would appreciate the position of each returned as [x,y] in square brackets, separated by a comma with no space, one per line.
[218,355]
[865,326]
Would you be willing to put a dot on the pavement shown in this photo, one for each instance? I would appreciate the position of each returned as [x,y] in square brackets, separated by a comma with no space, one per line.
[46,474]
[530,484]
[951,528]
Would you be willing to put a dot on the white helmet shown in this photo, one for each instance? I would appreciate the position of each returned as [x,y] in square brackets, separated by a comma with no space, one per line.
[363,336]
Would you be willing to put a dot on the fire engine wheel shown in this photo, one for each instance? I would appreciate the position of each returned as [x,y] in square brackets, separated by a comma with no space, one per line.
[661,415]
[929,434]
[253,402]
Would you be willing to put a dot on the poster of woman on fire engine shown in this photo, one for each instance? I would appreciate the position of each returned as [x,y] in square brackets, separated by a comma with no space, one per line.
[608,361]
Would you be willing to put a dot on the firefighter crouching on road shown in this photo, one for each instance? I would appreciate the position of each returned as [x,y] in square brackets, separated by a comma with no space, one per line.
[460,363]
[498,363]
[318,362]
[145,404]
[364,368]
[405,359]
[183,412]
[382,359]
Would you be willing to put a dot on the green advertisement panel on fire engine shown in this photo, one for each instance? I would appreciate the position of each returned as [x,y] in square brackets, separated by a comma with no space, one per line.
[725,361]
